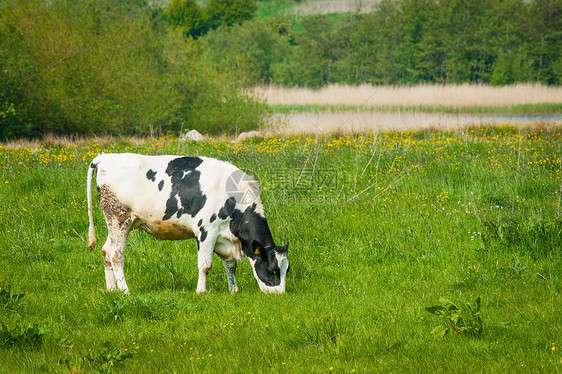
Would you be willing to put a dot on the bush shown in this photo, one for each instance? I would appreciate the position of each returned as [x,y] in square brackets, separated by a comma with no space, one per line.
[187,17]
[100,67]
[229,12]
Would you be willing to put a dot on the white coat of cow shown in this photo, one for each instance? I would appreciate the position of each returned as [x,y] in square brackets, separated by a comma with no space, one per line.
[174,198]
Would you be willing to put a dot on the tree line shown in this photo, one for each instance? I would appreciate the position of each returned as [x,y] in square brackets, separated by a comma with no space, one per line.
[131,67]
[400,42]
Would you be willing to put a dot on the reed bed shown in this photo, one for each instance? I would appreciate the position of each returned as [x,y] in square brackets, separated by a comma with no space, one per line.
[349,122]
[466,95]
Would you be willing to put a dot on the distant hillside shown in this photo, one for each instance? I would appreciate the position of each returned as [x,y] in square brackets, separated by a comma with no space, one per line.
[321,6]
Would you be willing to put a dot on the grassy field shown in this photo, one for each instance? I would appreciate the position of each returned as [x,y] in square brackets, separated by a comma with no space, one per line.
[381,226]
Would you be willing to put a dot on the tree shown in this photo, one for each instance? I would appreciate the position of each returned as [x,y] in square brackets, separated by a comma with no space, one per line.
[187,17]
[229,12]
[544,29]
[249,50]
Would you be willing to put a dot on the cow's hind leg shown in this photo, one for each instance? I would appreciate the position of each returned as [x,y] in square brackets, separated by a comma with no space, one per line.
[230,268]
[106,252]
[119,220]
[113,258]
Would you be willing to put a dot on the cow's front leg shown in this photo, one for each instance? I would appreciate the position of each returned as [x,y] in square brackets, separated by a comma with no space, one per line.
[204,261]
[230,268]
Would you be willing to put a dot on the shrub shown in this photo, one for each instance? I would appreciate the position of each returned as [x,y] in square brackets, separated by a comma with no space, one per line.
[187,17]
[100,67]
[229,12]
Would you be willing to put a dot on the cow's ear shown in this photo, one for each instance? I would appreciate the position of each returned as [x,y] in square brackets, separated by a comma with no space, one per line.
[257,248]
[283,250]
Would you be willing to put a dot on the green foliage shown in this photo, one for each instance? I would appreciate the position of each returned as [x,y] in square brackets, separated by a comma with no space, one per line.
[413,41]
[463,320]
[250,51]
[104,360]
[187,17]
[229,12]
[8,300]
[19,335]
[101,67]
[29,336]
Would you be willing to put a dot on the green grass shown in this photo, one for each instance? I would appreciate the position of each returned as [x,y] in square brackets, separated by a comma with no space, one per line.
[542,108]
[380,226]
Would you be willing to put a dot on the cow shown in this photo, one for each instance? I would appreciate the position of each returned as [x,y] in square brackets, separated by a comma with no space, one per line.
[179,197]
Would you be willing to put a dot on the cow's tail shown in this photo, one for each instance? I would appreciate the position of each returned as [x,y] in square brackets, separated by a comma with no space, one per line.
[91,230]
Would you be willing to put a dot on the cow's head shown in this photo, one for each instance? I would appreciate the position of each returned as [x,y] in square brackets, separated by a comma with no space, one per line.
[270,267]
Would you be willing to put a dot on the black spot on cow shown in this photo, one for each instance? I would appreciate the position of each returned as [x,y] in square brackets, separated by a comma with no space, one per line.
[151,175]
[213,218]
[228,209]
[161,185]
[203,234]
[200,222]
[252,229]
[185,186]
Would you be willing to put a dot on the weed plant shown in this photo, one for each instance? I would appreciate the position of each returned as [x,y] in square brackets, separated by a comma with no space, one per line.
[380,226]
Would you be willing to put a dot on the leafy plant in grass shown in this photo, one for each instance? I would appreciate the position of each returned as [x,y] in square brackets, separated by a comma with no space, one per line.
[462,319]
[22,336]
[9,300]
[19,335]
[102,361]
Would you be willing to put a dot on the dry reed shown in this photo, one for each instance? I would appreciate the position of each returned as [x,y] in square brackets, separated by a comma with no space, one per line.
[465,95]
[69,141]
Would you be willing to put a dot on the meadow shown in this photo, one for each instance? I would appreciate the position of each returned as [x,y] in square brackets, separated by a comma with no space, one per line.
[415,251]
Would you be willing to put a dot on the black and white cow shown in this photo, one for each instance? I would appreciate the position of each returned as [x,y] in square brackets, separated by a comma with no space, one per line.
[174,198]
